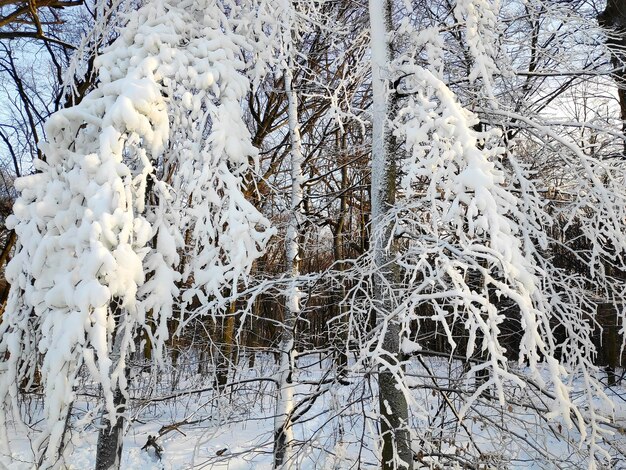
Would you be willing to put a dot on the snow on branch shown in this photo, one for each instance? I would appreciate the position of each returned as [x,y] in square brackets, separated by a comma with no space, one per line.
[147,166]
[475,239]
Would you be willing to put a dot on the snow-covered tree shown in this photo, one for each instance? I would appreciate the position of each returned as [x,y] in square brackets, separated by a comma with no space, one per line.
[471,260]
[147,165]
[469,241]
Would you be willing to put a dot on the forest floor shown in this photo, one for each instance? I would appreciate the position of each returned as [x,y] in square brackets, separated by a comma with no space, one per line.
[234,430]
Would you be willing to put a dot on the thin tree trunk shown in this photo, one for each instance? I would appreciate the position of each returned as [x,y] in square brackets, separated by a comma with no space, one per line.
[225,355]
[396,450]
[4,258]
[111,435]
[283,434]
[338,247]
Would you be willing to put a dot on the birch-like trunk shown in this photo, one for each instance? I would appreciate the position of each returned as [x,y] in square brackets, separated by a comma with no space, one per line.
[283,433]
[396,450]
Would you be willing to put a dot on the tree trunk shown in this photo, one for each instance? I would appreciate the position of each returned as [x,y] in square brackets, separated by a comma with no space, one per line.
[110,438]
[283,434]
[609,341]
[396,450]
[225,354]
[614,19]
[111,435]
[341,338]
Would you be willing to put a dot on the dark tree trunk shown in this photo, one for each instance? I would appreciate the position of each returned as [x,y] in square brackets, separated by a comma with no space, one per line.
[110,438]
[608,341]
[109,451]
[341,339]
[614,19]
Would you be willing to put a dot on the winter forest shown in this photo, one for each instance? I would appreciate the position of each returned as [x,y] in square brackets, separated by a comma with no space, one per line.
[312,234]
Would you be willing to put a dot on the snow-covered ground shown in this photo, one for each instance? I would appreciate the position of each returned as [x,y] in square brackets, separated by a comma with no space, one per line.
[234,429]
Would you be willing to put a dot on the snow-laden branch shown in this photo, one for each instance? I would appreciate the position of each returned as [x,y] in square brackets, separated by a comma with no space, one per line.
[148,164]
